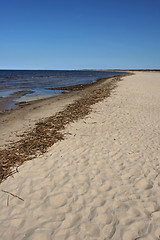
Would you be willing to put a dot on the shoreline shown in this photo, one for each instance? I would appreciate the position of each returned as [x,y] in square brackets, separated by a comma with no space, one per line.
[29,113]
[48,130]
[8,103]
[11,101]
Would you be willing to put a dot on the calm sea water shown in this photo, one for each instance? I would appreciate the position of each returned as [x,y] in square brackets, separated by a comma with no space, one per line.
[26,85]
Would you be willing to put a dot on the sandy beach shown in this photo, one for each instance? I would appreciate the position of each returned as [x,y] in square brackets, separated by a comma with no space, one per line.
[101,182]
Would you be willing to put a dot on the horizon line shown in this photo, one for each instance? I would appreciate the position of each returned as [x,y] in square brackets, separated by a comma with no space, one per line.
[83,69]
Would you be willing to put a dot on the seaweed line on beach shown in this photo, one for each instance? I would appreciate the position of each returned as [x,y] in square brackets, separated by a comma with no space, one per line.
[49,131]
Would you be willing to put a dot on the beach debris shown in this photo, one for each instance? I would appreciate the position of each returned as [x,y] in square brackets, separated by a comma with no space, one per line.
[8,201]
[49,131]
[14,195]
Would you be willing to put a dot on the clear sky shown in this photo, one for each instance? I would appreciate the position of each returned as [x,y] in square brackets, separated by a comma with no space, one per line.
[79,34]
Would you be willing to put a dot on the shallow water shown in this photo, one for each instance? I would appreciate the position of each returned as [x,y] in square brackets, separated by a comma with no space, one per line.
[15,85]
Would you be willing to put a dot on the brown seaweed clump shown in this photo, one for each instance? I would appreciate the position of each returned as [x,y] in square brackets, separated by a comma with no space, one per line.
[48,132]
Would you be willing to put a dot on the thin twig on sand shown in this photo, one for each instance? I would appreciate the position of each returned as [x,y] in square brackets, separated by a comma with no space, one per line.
[13,195]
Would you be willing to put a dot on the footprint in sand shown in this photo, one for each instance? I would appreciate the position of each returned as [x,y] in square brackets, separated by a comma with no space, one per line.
[98,202]
[56,201]
[91,230]
[143,184]
[71,220]
[134,212]
[129,235]
[106,187]
[104,219]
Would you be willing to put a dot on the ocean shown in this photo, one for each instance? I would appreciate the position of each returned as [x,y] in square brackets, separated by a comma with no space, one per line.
[27,85]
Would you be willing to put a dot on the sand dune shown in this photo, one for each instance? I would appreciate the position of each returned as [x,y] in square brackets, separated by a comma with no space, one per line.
[101,182]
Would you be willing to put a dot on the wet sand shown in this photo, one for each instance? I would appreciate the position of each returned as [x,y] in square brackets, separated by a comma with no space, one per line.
[15,122]
[8,102]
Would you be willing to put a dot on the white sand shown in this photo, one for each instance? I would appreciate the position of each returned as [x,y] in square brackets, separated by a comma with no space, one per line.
[102,182]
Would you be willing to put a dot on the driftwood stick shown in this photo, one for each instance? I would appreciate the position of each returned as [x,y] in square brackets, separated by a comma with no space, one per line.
[13,195]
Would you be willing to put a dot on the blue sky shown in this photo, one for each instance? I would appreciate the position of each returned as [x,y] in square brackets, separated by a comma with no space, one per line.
[79,34]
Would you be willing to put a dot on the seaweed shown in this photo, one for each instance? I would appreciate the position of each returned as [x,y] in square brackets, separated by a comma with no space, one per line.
[49,131]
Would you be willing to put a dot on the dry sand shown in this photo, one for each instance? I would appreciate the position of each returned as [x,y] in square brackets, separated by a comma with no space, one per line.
[101,182]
